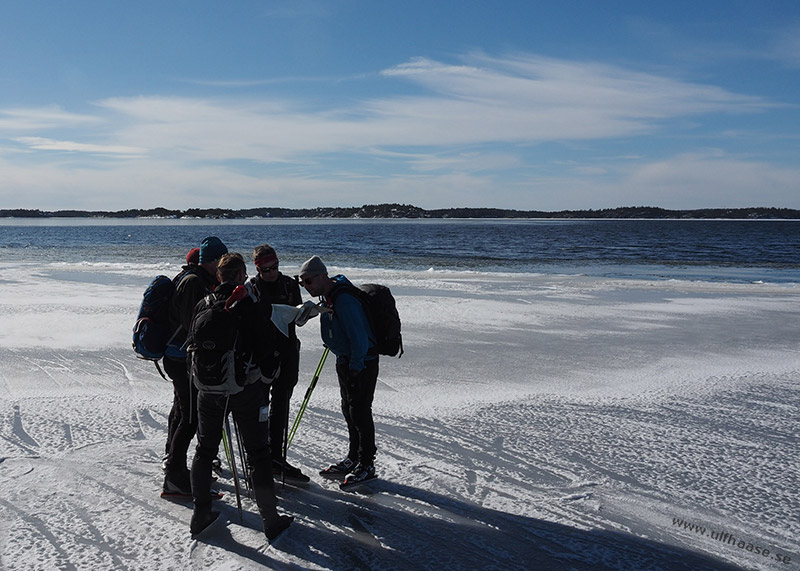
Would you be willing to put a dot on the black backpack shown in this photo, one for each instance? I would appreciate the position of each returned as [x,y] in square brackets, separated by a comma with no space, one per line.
[381,309]
[151,332]
[218,362]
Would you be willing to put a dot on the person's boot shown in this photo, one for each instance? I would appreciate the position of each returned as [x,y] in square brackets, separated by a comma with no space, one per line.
[177,483]
[281,469]
[273,527]
[360,474]
[202,517]
[338,470]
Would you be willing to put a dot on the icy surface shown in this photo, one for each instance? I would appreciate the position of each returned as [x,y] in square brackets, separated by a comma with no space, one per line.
[535,422]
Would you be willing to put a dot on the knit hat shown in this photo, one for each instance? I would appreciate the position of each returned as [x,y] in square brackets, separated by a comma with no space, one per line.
[193,257]
[313,267]
[211,249]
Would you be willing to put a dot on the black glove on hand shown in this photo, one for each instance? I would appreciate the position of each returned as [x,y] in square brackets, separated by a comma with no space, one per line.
[353,378]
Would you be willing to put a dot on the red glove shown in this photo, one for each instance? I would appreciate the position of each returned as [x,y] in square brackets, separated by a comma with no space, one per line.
[238,295]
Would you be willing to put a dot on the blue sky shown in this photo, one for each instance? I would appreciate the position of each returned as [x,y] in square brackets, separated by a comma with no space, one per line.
[512,104]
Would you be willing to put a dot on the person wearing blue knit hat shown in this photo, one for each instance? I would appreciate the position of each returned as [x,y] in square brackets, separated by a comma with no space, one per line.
[211,250]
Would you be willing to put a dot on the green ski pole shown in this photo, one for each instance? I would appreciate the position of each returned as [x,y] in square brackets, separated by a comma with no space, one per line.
[307,397]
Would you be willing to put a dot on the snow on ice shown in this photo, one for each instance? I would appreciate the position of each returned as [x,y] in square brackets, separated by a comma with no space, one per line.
[534,422]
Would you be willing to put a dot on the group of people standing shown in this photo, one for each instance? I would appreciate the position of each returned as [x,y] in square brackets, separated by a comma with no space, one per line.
[261,408]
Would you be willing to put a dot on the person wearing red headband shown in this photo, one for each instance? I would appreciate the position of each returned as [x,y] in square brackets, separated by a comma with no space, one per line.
[274,287]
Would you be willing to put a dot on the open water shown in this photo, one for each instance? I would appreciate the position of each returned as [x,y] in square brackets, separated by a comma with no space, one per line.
[738,251]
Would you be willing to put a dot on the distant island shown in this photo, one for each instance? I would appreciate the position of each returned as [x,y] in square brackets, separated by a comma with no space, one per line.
[409,211]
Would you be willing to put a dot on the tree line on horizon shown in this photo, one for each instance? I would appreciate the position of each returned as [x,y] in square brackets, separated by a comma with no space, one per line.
[409,211]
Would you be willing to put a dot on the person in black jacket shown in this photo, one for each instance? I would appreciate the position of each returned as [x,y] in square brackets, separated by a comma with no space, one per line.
[191,288]
[247,405]
[274,287]
[192,263]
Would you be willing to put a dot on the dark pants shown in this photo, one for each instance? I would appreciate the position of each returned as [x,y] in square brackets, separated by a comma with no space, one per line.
[174,419]
[281,391]
[357,394]
[184,425]
[244,407]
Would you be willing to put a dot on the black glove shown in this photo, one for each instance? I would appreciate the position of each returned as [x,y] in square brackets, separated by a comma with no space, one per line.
[353,378]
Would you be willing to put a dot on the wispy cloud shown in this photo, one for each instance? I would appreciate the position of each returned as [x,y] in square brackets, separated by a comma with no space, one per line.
[525,99]
[611,94]
[465,124]
[786,46]
[38,118]
[519,99]
[245,83]
[722,180]
[44,144]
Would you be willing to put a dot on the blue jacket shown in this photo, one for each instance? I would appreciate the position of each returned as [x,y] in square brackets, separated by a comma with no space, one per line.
[346,331]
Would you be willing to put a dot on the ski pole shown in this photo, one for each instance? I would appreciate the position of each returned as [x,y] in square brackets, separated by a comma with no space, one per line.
[227,438]
[285,445]
[243,460]
[307,397]
[226,447]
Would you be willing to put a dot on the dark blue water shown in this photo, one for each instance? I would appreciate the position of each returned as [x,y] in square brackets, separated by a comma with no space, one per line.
[687,249]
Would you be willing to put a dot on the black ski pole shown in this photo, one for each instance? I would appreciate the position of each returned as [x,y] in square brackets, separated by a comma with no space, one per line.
[285,439]
[243,459]
[232,461]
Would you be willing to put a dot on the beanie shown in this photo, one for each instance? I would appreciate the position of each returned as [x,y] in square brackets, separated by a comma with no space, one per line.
[193,257]
[211,249]
[313,267]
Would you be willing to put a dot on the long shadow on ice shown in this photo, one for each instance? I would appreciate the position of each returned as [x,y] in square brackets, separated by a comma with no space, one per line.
[395,526]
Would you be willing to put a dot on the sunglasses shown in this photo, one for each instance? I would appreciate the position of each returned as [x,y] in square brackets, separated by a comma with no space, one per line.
[266,269]
[308,280]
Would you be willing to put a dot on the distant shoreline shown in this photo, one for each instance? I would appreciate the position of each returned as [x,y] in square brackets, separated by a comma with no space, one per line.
[406,211]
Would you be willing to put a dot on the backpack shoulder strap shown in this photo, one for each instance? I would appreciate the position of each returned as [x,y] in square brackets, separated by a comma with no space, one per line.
[341,288]
[293,290]
[185,273]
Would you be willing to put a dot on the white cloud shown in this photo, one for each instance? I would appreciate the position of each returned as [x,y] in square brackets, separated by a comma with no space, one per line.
[43,144]
[786,47]
[522,99]
[528,83]
[38,118]
[453,143]
[466,162]
[717,180]
[710,179]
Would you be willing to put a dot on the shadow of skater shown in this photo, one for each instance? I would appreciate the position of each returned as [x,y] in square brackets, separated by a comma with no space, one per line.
[396,526]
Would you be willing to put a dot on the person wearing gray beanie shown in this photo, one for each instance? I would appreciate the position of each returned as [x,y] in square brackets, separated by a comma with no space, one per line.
[346,331]
[313,267]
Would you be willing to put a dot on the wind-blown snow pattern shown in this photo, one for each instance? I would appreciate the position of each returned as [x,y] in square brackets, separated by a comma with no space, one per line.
[534,422]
